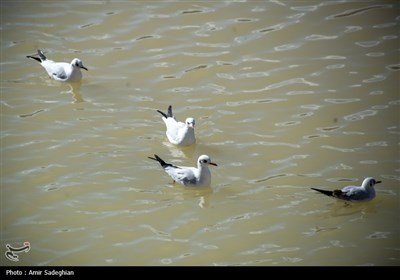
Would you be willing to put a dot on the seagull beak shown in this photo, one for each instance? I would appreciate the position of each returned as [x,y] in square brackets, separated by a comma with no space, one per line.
[377,182]
[83,67]
[212,163]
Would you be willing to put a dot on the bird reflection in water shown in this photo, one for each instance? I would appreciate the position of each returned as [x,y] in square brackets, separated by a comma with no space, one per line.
[74,89]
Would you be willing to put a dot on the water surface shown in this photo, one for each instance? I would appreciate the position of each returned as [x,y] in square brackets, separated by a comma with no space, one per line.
[286,95]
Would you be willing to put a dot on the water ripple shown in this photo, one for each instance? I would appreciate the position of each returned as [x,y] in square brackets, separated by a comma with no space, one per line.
[289,123]
[191,12]
[281,109]
[311,8]
[300,92]
[360,115]
[285,83]
[379,235]
[147,37]
[341,101]
[315,37]
[287,47]
[353,12]
[392,177]
[375,54]
[207,54]
[393,67]
[329,128]
[272,228]
[377,143]
[385,25]
[343,150]
[334,57]
[155,231]
[367,44]
[254,101]
[290,159]
[271,177]
[213,45]
[352,28]
[31,114]
[318,229]
[202,66]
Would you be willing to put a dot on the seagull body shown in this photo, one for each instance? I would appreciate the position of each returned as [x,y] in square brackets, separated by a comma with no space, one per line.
[61,71]
[178,133]
[364,192]
[189,176]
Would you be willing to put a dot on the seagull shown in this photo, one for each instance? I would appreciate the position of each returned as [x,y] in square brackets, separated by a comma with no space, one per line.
[354,193]
[61,71]
[178,133]
[189,176]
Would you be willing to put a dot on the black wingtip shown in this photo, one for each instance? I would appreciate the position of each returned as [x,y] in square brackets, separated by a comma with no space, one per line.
[163,114]
[157,158]
[35,58]
[162,162]
[41,55]
[154,158]
[170,111]
[328,193]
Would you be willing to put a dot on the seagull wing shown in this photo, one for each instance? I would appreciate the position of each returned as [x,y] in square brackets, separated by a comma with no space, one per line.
[353,193]
[60,75]
[174,129]
[183,175]
[56,70]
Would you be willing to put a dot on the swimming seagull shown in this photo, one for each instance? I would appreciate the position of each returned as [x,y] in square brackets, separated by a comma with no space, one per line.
[178,133]
[189,176]
[354,193]
[61,71]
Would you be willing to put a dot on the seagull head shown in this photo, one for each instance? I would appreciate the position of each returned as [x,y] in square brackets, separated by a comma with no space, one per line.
[205,160]
[369,182]
[190,122]
[78,63]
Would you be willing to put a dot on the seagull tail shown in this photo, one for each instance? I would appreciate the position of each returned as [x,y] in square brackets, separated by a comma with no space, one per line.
[328,193]
[41,57]
[157,158]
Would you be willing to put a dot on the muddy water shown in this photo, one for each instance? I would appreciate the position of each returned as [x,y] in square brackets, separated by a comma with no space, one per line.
[286,96]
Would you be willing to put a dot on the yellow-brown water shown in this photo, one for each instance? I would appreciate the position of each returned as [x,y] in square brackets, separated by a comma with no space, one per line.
[287,95]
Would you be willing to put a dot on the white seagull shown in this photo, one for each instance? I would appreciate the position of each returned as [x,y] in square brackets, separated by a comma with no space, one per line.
[189,176]
[364,192]
[178,133]
[61,71]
